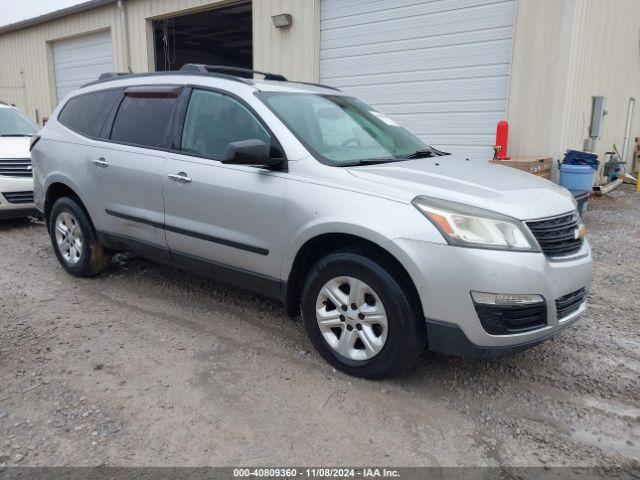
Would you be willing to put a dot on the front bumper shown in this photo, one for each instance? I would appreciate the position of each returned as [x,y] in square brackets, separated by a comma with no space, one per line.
[449,339]
[8,214]
[445,275]
[11,209]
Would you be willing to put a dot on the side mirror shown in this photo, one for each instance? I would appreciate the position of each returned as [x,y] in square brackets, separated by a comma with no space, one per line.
[249,152]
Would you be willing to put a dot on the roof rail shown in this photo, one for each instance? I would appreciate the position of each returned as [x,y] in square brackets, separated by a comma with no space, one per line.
[318,85]
[194,67]
[110,75]
[221,71]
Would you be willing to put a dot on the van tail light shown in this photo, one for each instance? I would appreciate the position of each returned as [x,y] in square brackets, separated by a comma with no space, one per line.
[35,139]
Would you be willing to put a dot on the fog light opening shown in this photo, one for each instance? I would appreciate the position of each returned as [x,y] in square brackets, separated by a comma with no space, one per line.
[505,298]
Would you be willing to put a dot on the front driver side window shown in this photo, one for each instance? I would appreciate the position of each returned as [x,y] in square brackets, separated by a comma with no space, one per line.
[215,120]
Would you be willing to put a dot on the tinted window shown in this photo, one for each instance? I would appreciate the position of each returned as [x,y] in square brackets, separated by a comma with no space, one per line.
[143,121]
[215,120]
[86,114]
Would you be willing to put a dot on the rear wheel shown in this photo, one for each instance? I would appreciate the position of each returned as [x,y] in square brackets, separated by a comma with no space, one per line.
[359,317]
[74,240]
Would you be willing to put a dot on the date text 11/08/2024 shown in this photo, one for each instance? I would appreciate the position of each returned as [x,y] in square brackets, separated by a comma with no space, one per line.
[316,472]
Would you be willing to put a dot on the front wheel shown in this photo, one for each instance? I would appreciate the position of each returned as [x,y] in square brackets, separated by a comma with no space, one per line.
[360,318]
[74,240]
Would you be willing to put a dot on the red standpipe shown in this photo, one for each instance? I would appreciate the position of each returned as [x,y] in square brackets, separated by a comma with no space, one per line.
[502,140]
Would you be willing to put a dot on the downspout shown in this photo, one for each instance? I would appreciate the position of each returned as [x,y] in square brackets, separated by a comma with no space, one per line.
[125,34]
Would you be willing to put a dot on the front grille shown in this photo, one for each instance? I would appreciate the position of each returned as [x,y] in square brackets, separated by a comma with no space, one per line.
[570,303]
[19,197]
[511,319]
[557,236]
[15,167]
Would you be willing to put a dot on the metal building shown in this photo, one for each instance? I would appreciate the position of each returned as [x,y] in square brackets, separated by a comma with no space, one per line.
[447,69]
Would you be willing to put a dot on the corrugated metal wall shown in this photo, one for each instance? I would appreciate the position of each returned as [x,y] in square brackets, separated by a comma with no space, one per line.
[139,13]
[293,51]
[538,76]
[566,52]
[605,60]
[26,76]
[27,79]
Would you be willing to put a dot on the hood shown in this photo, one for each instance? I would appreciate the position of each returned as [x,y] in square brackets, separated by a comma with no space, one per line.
[15,147]
[474,182]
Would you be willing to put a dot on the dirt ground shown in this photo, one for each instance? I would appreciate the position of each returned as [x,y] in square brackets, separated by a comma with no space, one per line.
[149,366]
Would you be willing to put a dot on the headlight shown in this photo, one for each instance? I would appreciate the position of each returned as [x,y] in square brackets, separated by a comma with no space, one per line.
[467,226]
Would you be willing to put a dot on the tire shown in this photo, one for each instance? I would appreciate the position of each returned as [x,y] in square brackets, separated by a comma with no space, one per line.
[405,336]
[88,257]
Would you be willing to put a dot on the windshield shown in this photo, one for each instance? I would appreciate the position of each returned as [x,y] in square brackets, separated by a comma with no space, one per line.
[15,123]
[343,130]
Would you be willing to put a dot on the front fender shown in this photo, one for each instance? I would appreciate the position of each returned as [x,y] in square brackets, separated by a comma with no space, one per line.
[313,210]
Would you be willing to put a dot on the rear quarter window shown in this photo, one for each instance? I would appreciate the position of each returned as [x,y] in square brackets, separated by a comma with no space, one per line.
[143,121]
[87,113]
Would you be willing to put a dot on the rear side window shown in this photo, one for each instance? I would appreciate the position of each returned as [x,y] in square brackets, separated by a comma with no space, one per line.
[86,114]
[143,121]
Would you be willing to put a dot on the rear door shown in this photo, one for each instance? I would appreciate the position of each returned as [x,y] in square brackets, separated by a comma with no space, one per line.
[223,216]
[129,165]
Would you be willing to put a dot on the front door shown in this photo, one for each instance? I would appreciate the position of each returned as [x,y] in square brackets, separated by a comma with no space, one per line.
[224,217]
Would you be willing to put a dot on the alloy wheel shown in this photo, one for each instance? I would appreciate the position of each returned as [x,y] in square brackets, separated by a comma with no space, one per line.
[69,237]
[352,318]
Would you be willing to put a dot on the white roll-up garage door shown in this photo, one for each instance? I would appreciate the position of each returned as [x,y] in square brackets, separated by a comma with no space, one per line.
[80,60]
[438,67]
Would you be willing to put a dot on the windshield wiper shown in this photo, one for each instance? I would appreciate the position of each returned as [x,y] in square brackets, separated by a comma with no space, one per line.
[425,153]
[15,135]
[371,161]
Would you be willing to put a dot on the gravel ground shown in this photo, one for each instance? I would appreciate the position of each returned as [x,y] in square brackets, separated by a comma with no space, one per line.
[147,365]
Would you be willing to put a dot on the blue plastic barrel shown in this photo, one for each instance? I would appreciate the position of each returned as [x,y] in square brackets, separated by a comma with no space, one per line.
[576,177]
[576,157]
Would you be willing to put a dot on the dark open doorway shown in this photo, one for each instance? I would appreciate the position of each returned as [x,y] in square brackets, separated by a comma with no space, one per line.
[214,37]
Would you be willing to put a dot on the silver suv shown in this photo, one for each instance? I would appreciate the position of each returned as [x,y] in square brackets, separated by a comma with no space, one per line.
[382,243]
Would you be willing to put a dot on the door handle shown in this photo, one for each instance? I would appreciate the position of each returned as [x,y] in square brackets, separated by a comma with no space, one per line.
[101,162]
[180,177]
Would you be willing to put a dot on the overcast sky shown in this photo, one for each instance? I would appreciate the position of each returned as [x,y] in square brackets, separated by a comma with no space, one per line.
[12,11]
